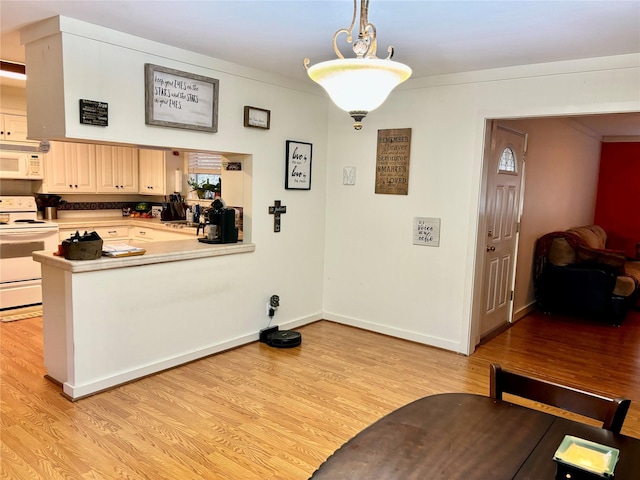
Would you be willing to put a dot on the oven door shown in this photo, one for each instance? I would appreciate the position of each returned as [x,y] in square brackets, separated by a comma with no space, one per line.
[16,248]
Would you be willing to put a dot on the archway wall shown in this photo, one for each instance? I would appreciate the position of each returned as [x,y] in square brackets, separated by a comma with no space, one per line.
[375,278]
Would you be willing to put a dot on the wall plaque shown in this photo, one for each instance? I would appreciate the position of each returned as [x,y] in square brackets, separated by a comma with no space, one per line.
[94,113]
[426,231]
[180,99]
[392,161]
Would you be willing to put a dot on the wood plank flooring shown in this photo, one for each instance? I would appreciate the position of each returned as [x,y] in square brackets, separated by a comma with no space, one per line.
[260,413]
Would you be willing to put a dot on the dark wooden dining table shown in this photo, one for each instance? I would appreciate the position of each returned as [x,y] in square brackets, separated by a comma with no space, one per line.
[464,436]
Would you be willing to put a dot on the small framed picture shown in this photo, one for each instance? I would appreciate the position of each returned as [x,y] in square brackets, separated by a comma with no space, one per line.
[257,117]
[298,173]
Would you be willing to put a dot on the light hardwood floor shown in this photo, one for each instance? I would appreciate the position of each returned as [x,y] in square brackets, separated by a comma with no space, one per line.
[258,413]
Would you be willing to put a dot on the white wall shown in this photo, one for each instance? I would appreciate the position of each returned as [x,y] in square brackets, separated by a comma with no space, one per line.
[374,277]
[345,253]
[561,181]
[105,65]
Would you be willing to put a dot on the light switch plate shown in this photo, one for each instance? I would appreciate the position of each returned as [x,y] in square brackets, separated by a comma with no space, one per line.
[349,176]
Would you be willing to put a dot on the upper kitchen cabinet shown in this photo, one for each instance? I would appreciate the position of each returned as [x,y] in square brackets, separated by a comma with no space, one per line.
[153,175]
[13,128]
[116,169]
[70,168]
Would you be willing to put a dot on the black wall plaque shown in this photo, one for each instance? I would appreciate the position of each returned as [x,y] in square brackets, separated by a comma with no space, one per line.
[94,113]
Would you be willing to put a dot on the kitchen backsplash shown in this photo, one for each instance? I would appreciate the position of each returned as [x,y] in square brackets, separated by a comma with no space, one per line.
[97,205]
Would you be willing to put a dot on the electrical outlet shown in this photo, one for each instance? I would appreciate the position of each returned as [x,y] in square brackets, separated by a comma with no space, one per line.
[274,301]
[269,308]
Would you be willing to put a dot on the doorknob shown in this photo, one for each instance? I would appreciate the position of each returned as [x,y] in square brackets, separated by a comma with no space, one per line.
[491,248]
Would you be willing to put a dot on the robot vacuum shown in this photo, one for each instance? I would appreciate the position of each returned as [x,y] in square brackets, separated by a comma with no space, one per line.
[284,339]
[280,338]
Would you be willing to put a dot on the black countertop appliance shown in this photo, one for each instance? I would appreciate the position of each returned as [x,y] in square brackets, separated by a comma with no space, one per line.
[223,220]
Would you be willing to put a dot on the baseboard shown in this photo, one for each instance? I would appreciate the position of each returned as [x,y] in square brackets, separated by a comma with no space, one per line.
[524,311]
[396,332]
[76,392]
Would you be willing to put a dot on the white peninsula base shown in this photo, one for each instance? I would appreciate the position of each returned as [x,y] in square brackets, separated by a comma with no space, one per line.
[110,321]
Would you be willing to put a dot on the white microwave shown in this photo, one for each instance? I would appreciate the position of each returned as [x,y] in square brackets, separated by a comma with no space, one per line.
[21,165]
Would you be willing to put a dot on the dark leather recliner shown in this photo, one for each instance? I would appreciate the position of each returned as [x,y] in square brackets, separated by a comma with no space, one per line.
[575,274]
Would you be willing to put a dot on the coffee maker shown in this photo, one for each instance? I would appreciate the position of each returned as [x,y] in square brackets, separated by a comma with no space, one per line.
[221,223]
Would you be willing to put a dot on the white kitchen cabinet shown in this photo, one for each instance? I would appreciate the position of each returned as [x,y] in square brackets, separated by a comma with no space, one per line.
[70,168]
[116,169]
[142,234]
[160,235]
[67,233]
[153,174]
[119,234]
[13,128]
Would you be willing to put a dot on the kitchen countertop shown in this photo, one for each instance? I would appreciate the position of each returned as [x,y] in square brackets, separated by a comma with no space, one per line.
[156,252]
[119,220]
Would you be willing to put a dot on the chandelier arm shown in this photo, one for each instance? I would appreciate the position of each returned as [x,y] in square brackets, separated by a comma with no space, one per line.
[370,31]
[335,41]
[391,51]
[348,31]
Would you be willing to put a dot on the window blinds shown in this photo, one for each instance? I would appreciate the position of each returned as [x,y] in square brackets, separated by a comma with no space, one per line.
[204,162]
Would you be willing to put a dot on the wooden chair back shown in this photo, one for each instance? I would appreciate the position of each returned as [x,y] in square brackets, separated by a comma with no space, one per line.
[610,411]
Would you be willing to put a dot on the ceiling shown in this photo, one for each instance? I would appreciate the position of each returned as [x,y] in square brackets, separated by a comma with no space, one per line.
[432,37]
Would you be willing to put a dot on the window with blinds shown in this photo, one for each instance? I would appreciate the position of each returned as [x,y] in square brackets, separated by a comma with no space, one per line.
[204,167]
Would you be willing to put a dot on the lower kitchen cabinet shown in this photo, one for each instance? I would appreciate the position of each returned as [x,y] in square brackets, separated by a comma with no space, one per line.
[127,233]
[167,234]
[113,234]
[142,234]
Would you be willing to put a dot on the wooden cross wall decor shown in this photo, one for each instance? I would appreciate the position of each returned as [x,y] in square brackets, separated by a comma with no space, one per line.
[276,211]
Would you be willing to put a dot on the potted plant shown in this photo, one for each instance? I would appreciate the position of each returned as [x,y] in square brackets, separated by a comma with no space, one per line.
[205,189]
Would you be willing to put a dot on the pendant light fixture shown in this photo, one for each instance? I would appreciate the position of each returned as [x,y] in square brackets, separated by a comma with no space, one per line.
[359,85]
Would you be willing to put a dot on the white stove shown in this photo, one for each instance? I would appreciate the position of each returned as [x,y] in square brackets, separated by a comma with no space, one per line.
[21,234]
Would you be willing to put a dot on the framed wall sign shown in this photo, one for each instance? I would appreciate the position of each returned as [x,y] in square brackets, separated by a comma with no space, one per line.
[392,161]
[298,173]
[180,100]
[94,113]
[257,117]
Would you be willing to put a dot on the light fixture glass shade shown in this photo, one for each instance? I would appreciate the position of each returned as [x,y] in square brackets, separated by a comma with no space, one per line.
[359,84]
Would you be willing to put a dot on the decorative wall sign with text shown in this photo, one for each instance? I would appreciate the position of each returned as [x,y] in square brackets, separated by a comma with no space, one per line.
[298,173]
[257,117]
[392,161]
[180,99]
[426,231]
[94,113]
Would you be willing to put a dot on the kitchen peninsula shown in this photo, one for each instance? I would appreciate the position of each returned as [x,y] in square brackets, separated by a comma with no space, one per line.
[113,320]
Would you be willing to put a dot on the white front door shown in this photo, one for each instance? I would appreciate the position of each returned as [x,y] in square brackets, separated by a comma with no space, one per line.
[502,215]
